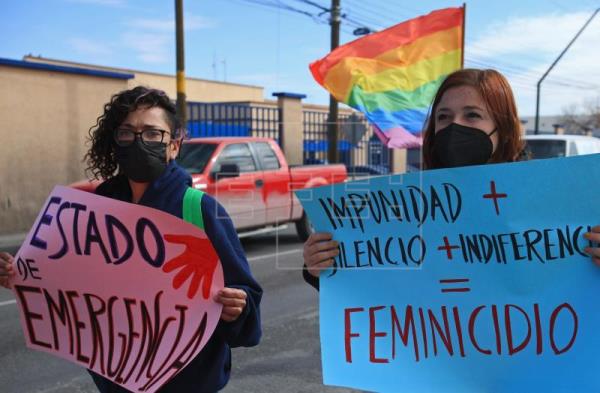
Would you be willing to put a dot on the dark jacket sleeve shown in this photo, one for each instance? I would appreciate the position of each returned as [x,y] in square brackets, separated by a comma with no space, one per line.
[246,329]
[309,278]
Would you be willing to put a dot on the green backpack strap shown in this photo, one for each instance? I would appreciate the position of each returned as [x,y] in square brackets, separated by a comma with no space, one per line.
[192,207]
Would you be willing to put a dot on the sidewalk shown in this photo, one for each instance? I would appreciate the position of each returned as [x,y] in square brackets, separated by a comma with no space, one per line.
[11,241]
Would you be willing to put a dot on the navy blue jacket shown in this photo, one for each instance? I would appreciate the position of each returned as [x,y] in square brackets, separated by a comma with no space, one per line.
[209,370]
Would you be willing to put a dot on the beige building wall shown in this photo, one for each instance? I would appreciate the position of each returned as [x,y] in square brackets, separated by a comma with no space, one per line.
[200,90]
[293,138]
[44,119]
[197,89]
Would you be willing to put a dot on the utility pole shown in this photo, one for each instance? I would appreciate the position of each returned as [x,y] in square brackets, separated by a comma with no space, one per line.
[181,104]
[332,121]
[539,84]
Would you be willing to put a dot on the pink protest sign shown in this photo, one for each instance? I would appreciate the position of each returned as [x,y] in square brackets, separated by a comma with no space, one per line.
[121,289]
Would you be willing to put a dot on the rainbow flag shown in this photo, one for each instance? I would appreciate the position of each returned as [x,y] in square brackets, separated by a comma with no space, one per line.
[392,76]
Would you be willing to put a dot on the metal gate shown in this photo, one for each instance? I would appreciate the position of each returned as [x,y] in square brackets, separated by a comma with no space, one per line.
[359,148]
[223,119]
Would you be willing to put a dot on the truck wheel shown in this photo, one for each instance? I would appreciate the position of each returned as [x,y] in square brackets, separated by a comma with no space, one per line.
[303,227]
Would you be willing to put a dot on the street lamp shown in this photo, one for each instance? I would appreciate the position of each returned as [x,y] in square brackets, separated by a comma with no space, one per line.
[539,84]
[363,31]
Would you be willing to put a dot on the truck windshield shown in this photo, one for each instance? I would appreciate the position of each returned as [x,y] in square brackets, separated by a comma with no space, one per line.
[194,156]
[547,148]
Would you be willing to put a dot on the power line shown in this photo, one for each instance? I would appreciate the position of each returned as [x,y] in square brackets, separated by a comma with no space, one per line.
[490,62]
[319,6]
[348,31]
[280,5]
[529,77]
[354,22]
[525,75]
[479,49]
[317,18]
[386,12]
[530,81]
[366,20]
[388,21]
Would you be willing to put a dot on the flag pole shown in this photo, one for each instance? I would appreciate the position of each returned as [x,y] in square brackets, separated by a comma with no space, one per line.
[462,52]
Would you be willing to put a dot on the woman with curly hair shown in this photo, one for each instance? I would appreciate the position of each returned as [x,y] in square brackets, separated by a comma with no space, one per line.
[116,145]
[133,147]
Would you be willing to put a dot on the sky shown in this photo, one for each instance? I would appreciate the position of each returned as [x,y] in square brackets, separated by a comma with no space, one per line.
[246,41]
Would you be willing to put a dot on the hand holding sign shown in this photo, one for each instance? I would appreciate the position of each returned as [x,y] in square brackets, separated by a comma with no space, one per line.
[233,301]
[6,269]
[199,261]
[594,236]
[319,251]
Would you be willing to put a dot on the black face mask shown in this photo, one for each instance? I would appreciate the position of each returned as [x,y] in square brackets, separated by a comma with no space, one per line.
[142,162]
[458,145]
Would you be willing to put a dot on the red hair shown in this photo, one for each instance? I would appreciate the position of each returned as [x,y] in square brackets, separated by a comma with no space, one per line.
[500,102]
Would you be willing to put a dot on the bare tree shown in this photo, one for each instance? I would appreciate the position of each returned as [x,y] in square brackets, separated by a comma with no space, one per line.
[582,119]
[592,108]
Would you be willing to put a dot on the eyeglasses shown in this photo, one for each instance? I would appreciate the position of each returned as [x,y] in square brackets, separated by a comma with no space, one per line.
[125,137]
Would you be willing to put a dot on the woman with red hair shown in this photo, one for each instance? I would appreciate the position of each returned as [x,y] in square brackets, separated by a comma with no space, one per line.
[471,109]
[473,121]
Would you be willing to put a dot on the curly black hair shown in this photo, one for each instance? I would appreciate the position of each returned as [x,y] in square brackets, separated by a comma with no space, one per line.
[100,158]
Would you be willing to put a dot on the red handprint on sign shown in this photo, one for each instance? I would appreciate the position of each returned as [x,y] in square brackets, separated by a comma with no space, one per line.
[198,261]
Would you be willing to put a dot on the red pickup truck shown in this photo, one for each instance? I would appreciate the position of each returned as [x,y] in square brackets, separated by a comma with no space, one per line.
[250,177]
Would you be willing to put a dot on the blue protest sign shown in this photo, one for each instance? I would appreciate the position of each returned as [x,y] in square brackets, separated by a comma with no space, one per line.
[473,279]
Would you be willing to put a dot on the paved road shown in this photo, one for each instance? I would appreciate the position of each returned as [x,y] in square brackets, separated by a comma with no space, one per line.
[287,360]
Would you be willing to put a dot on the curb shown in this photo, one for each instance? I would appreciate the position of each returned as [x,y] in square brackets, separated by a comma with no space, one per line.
[12,240]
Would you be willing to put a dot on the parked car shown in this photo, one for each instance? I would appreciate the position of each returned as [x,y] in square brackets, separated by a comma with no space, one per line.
[551,146]
[251,178]
[368,170]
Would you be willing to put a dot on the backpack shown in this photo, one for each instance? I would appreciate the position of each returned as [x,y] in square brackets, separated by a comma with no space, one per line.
[192,207]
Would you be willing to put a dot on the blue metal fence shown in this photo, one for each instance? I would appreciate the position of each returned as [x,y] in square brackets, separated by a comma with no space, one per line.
[358,146]
[224,119]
